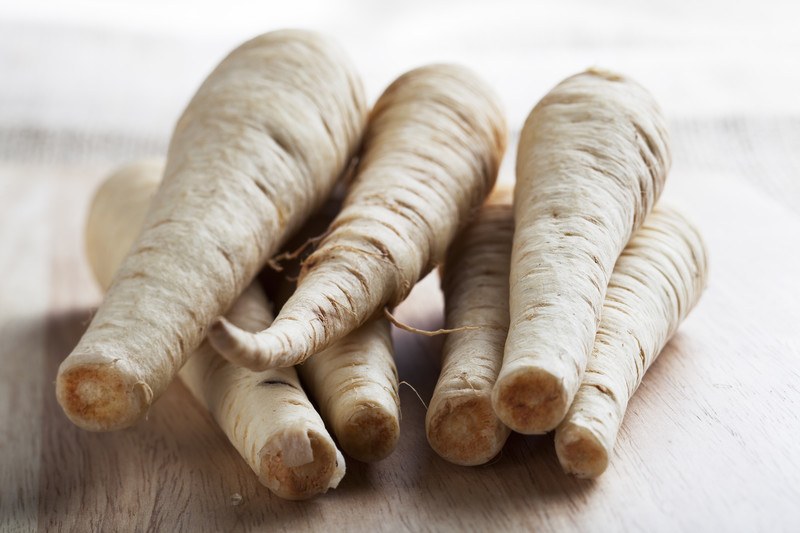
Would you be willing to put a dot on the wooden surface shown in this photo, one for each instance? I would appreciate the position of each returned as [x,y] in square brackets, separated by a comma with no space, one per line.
[710,441]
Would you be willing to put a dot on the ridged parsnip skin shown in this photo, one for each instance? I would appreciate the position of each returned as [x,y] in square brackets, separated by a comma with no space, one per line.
[258,148]
[592,160]
[460,422]
[431,153]
[266,415]
[657,280]
[354,383]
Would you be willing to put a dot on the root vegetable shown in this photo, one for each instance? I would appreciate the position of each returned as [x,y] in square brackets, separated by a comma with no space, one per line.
[431,153]
[592,160]
[116,216]
[461,424]
[354,382]
[266,416]
[656,282]
[259,147]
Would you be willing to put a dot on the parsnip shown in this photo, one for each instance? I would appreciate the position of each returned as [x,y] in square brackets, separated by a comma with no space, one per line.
[461,424]
[657,280]
[592,160]
[354,382]
[258,148]
[432,149]
[266,415]
[116,216]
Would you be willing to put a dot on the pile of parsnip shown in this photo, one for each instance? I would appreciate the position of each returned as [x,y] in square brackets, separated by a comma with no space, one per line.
[555,306]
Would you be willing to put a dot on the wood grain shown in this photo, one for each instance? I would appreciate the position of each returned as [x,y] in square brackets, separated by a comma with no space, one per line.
[24,297]
[709,441]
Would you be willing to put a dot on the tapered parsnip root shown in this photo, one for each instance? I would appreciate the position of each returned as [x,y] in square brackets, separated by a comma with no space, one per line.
[592,160]
[656,282]
[431,153]
[355,385]
[354,382]
[266,415]
[257,150]
[461,424]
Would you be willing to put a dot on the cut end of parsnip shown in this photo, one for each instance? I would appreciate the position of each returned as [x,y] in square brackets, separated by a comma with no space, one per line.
[370,434]
[102,396]
[464,430]
[580,452]
[530,400]
[297,465]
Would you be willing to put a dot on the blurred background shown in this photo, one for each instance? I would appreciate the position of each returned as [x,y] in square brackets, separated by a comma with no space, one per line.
[103,82]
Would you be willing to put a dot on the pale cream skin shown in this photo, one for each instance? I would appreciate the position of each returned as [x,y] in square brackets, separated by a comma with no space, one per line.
[431,154]
[592,160]
[265,415]
[460,423]
[258,148]
[657,281]
[354,383]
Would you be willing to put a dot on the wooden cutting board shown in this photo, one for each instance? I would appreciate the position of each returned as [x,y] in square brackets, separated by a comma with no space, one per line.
[710,441]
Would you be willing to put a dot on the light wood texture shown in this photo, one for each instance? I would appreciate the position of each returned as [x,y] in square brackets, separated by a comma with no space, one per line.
[709,440]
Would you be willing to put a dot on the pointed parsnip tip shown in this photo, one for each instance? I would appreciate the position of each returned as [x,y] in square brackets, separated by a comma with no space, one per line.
[298,464]
[530,400]
[101,396]
[255,351]
[580,451]
[464,430]
[236,345]
[226,338]
[429,157]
